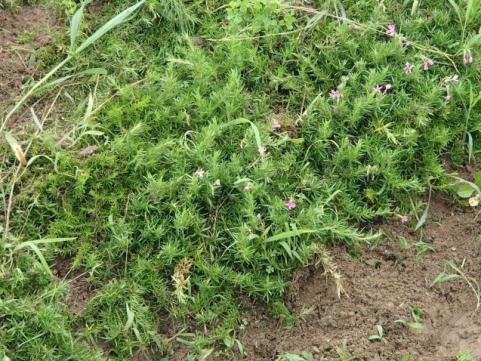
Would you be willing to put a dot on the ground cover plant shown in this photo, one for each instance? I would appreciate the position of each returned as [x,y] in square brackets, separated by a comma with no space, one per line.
[217,148]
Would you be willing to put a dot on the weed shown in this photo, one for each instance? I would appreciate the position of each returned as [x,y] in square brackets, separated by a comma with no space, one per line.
[378,335]
[465,356]
[459,274]
[417,315]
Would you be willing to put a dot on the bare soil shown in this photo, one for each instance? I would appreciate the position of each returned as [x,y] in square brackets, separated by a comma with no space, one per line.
[383,285]
[79,292]
[22,32]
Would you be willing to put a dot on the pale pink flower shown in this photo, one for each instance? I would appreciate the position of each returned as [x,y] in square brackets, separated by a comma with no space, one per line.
[291,204]
[276,124]
[262,150]
[387,87]
[467,57]
[408,68]
[377,89]
[404,220]
[427,63]
[247,187]
[200,173]
[391,30]
[335,94]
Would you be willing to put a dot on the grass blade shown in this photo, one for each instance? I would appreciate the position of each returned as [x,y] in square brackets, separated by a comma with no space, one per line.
[130,318]
[109,25]
[35,119]
[457,10]
[470,147]
[289,234]
[39,254]
[120,18]
[423,218]
[16,148]
[414,7]
[245,121]
[75,24]
[33,246]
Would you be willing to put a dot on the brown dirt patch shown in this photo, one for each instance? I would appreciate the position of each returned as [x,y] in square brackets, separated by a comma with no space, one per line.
[383,285]
[22,32]
[79,292]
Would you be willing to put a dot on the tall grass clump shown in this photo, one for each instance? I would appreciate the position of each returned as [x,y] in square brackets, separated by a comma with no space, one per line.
[231,141]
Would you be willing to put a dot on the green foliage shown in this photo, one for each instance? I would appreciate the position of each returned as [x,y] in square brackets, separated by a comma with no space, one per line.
[7,4]
[182,207]
[465,356]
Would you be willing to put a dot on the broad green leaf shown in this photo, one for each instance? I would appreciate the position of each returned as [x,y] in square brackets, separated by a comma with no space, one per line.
[464,190]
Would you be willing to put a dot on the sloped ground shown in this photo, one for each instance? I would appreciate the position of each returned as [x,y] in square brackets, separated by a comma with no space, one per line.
[383,285]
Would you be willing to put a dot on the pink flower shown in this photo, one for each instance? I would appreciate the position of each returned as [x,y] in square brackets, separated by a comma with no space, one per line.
[404,219]
[200,173]
[276,124]
[291,204]
[335,94]
[427,63]
[408,68]
[467,57]
[247,187]
[391,30]
[387,87]
[377,89]
[262,150]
